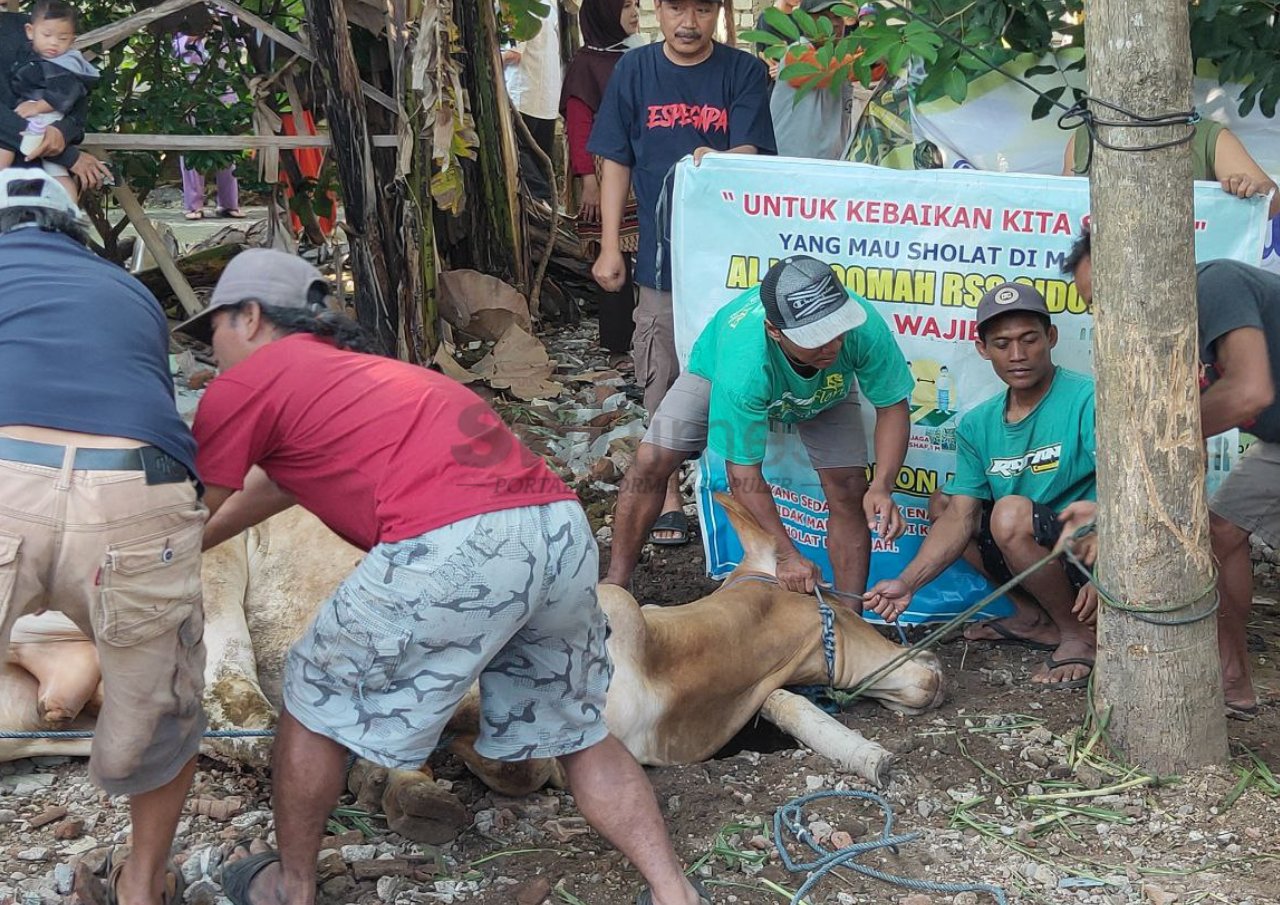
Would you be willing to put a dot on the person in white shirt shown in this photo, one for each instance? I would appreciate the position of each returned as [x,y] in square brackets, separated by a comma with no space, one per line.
[533,75]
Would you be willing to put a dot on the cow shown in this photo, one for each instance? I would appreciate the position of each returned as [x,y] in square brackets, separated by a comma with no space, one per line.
[687,678]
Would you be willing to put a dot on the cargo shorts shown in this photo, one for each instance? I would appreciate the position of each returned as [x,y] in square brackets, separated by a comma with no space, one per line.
[1249,496]
[506,599]
[121,559]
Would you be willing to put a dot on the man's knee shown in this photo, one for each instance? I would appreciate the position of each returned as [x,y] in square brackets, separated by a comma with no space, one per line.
[1011,520]
[653,466]
[1225,536]
[843,487]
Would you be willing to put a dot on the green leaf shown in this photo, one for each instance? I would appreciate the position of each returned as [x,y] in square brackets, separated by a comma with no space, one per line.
[825,27]
[956,86]
[797,70]
[1044,104]
[846,11]
[767,38]
[781,23]
[825,55]
[1041,70]
[805,21]
[897,56]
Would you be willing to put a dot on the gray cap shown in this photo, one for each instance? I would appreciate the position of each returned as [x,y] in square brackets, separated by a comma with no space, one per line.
[262,275]
[821,6]
[805,299]
[1010,297]
[33,187]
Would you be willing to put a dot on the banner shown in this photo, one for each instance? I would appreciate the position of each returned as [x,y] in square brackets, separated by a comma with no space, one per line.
[922,246]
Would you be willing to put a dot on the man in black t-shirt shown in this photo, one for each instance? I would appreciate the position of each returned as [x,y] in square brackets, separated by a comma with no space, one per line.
[684,95]
[1239,325]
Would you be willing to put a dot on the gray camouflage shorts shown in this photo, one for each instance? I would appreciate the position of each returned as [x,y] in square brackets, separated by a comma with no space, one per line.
[507,598]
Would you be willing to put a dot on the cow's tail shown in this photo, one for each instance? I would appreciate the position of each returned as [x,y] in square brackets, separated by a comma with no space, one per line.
[758,551]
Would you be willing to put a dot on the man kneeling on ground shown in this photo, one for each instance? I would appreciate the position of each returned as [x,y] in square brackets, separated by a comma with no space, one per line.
[1025,461]
[794,350]
[480,567]
[1239,319]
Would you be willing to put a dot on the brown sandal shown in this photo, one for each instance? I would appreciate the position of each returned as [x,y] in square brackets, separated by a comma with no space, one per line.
[93,891]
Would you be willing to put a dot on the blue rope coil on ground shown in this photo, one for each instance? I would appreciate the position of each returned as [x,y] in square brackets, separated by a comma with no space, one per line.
[788,822]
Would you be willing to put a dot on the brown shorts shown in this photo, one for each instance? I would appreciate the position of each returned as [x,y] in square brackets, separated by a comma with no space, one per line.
[1249,496]
[121,558]
[653,346]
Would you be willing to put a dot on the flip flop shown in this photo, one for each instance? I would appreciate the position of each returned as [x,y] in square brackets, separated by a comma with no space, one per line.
[704,897]
[104,893]
[1081,682]
[238,876]
[231,213]
[675,520]
[194,215]
[1007,636]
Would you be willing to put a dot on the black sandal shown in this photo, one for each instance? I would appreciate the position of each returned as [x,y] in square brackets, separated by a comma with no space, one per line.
[238,876]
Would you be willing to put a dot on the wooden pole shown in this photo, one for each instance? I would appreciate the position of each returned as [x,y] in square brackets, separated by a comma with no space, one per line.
[1159,681]
[129,203]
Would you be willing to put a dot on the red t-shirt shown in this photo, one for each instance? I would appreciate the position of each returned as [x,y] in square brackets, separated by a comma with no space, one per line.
[378,449]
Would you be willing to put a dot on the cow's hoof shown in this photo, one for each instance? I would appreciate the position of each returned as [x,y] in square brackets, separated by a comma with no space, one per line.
[420,810]
[67,672]
[367,782]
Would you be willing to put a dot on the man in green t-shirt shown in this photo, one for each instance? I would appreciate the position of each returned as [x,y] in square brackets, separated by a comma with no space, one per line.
[800,349]
[1025,461]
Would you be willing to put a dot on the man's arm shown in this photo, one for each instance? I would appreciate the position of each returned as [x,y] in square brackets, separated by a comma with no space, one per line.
[892,432]
[610,270]
[1244,388]
[232,511]
[795,572]
[945,543]
[699,153]
[1239,173]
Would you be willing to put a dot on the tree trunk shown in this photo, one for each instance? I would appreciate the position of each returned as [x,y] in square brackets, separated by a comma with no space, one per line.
[376,294]
[486,236]
[1159,681]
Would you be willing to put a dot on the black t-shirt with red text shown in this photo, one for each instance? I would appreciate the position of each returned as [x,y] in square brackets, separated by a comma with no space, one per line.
[655,112]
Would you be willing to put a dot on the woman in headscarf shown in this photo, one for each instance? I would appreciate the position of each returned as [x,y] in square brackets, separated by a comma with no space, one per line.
[607,26]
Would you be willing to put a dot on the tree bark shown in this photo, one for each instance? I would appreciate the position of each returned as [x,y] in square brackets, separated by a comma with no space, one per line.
[1160,682]
[376,293]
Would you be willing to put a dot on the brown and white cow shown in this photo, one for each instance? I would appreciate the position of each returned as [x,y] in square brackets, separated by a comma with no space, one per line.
[686,678]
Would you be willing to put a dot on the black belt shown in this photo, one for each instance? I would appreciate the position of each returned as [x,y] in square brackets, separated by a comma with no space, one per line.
[161,468]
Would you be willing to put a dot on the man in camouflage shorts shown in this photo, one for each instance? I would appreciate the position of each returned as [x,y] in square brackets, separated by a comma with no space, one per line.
[481,567]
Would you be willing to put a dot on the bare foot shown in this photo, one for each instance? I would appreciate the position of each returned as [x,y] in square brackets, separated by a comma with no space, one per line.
[1016,629]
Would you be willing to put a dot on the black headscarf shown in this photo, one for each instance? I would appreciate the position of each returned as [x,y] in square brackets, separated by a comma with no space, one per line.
[590,68]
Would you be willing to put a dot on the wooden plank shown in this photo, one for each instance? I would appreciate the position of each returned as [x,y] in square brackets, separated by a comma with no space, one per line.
[137,216]
[146,141]
[122,28]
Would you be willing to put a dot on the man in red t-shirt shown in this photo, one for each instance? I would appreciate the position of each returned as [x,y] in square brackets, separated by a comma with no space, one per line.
[481,566]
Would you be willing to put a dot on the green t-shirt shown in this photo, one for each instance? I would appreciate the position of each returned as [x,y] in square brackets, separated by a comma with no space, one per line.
[1204,145]
[1049,456]
[753,383]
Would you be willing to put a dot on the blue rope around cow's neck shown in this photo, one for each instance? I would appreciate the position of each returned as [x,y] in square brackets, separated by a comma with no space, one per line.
[788,821]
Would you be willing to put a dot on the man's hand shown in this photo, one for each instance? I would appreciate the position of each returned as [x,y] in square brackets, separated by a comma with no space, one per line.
[796,573]
[699,153]
[28,109]
[89,171]
[609,270]
[1242,185]
[1075,517]
[883,516]
[589,208]
[888,599]
[510,57]
[52,143]
[1086,605]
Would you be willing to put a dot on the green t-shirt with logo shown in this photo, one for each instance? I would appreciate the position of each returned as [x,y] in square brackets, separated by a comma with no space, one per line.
[753,382]
[1049,456]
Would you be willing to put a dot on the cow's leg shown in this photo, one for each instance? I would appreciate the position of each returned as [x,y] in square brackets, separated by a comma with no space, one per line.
[510,778]
[64,662]
[415,806]
[846,747]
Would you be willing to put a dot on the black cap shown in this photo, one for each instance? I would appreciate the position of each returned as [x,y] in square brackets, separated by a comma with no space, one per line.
[805,299]
[1010,297]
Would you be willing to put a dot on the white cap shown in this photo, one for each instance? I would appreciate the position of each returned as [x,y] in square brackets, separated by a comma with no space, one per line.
[31,187]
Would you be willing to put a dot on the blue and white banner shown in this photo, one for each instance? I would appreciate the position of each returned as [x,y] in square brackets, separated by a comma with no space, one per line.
[922,246]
